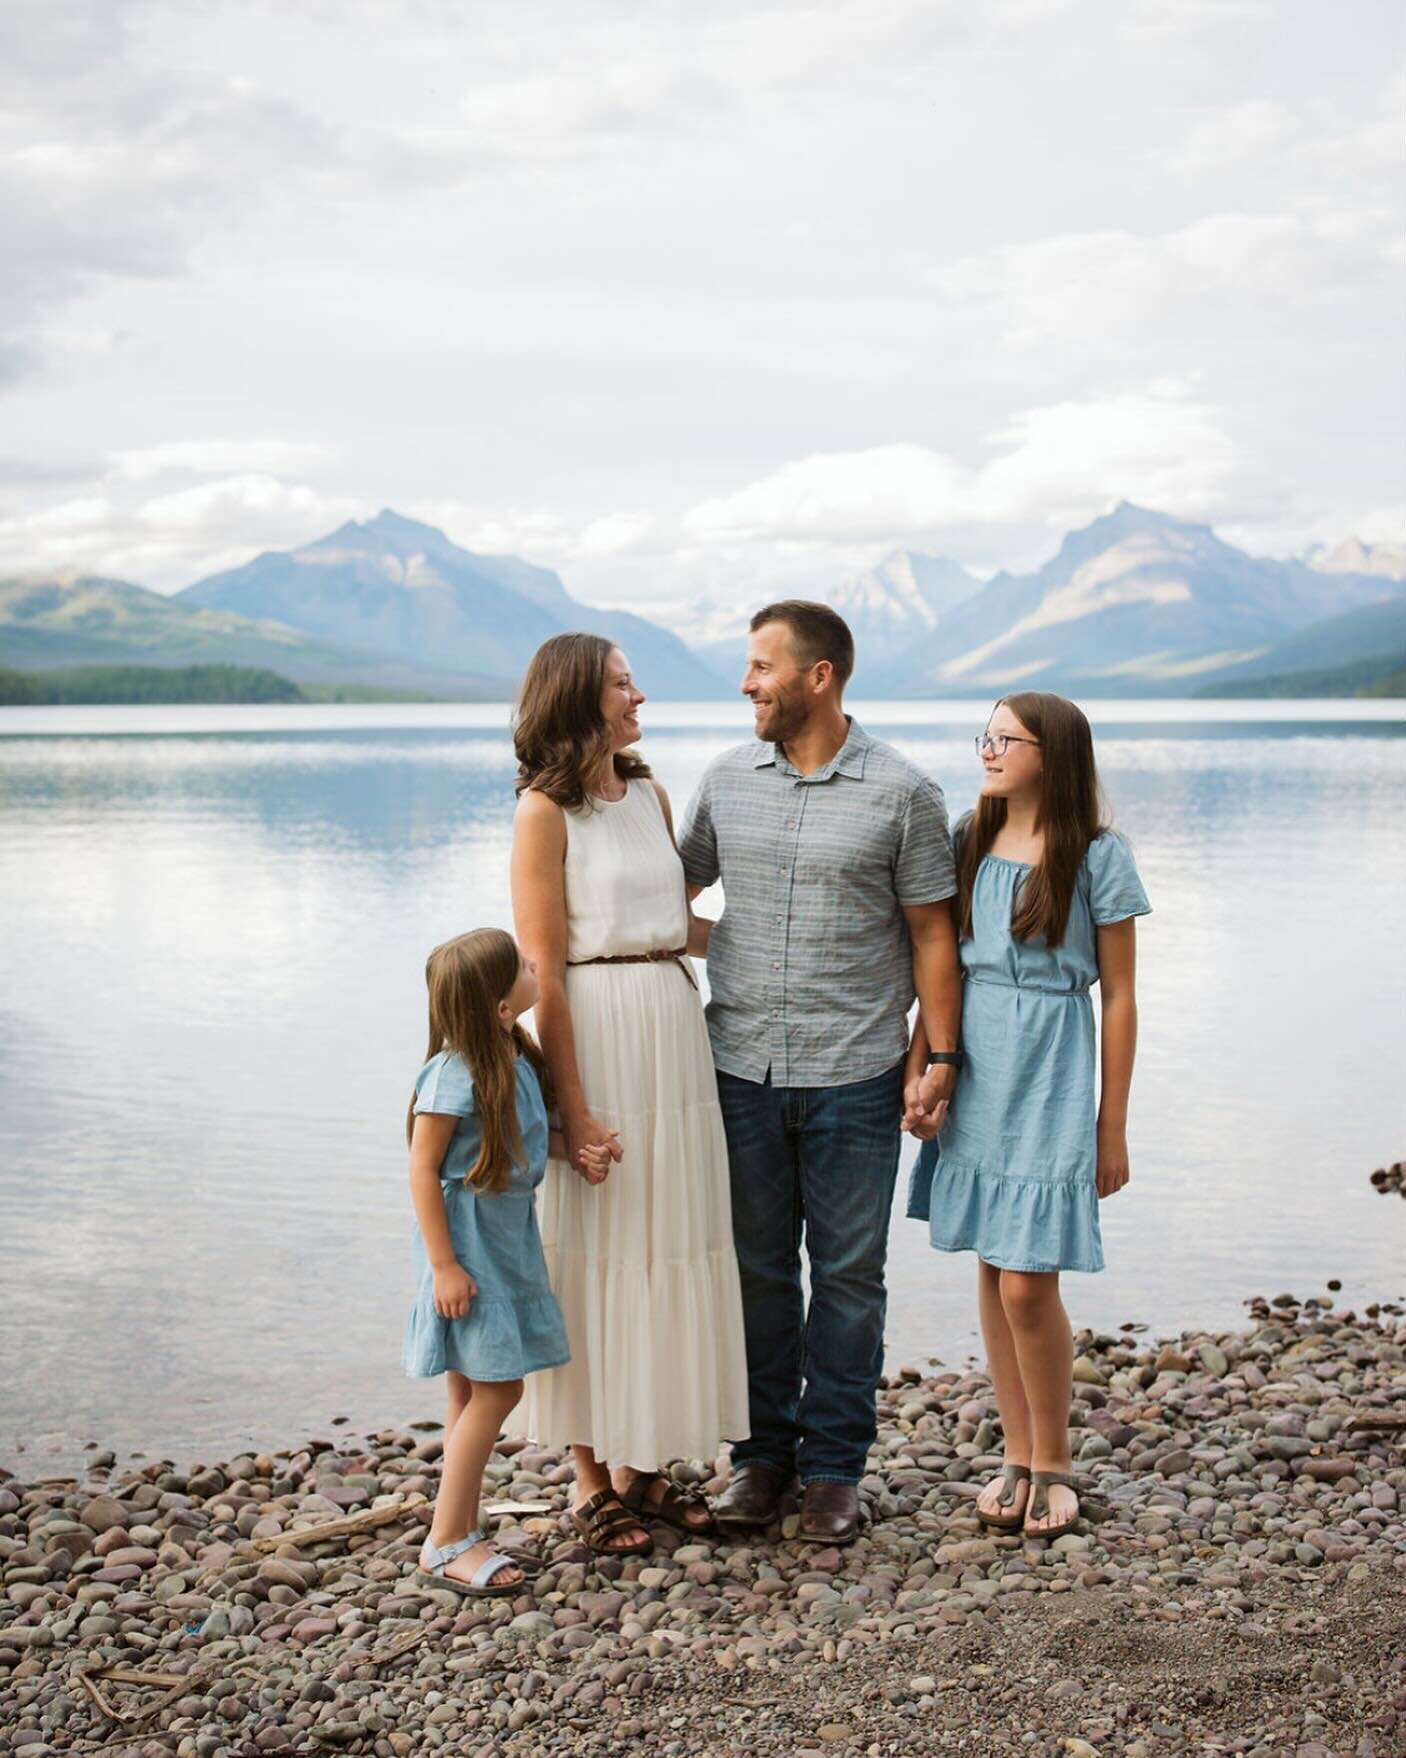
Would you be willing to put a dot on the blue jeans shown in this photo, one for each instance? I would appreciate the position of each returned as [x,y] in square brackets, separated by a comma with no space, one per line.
[820,1160]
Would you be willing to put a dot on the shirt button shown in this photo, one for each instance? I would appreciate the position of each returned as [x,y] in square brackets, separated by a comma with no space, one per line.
[776,967]
[782,871]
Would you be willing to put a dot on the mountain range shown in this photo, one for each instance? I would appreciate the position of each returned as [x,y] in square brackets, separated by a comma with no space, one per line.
[1135,603]
[396,590]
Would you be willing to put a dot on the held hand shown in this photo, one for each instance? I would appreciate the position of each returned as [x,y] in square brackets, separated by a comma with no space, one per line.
[915,1121]
[1112,1160]
[937,1086]
[926,1099]
[454,1288]
[582,1132]
[596,1157]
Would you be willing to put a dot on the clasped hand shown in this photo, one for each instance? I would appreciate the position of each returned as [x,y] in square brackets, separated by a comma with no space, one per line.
[926,1098]
[593,1148]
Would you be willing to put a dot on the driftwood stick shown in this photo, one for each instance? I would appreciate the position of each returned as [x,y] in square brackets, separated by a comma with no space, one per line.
[103,1706]
[169,1685]
[366,1521]
[1372,1423]
[124,1675]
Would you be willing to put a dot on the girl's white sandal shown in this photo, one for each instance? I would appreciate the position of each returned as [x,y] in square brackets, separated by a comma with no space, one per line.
[433,1559]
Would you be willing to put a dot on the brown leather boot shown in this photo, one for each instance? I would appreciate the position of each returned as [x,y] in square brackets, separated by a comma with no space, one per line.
[830,1513]
[753,1498]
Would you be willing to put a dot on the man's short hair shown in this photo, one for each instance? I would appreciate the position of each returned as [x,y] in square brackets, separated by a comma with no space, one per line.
[817,633]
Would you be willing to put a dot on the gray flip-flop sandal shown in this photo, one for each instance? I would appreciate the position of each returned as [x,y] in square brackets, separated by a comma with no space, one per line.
[1039,1504]
[1012,1476]
[480,1586]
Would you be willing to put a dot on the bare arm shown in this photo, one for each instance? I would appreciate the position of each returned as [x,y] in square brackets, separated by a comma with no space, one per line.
[454,1287]
[539,912]
[699,927]
[1117,970]
[937,980]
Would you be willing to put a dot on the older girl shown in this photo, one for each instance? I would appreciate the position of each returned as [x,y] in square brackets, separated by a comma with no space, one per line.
[1046,900]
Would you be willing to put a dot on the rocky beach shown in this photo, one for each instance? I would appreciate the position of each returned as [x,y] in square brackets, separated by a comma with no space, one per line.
[1238,1586]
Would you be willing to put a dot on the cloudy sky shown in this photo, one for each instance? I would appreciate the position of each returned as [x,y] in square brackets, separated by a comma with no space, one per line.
[692,300]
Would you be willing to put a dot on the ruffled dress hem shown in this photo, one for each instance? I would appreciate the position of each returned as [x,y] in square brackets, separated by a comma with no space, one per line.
[1034,1225]
[497,1339]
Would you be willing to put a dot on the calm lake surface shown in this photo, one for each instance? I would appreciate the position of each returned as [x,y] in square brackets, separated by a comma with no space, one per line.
[211,1012]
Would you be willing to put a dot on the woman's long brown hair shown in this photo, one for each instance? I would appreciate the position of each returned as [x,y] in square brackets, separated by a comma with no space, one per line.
[559,732]
[467,978]
[1070,817]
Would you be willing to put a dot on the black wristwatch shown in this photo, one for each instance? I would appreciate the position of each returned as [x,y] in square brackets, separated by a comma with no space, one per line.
[953,1058]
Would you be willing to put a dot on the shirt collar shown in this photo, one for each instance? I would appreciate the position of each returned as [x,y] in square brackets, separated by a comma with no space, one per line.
[848,760]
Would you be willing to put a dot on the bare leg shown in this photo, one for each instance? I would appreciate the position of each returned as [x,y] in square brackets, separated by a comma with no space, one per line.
[1044,1346]
[1006,1381]
[460,1390]
[591,1478]
[477,1409]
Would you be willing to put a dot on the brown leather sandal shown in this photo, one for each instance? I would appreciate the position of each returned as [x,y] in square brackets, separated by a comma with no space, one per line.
[1012,1476]
[672,1507]
[1039,1504]
[604,1518]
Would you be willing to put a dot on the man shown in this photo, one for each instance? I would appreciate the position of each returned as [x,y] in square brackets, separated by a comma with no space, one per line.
[836,866]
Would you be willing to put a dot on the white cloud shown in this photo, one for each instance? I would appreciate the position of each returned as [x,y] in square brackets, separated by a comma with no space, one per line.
[1163,24]
[536,534]
[228,508]
[615,534]
[1087,284]
[645,92]
[1233,136]
[1340,155]
[843,496]
[112,165]
[261,457]
[1059,465]
[1159,447]
[168,540]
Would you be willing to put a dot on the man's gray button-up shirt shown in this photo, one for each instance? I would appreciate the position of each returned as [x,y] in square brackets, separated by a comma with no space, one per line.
[810,965]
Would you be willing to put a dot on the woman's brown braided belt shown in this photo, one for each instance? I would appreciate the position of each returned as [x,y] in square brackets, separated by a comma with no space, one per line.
[665,955]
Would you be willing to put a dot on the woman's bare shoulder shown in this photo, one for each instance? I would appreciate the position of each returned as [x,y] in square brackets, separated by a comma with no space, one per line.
[539,815]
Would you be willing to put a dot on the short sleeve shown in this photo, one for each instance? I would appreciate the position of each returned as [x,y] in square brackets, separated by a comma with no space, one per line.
[1115,891]
[698,842]
[444,1087]
[923,870]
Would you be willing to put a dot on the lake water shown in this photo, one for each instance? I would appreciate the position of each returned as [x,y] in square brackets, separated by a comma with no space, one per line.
[211,1011]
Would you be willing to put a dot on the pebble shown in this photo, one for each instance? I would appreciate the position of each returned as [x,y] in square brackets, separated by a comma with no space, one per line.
[1224,1493]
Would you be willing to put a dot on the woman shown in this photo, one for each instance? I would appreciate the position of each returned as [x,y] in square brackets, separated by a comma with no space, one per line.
[641,1257]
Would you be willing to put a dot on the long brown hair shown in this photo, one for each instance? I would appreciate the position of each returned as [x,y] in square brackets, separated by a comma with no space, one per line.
[467,978]
[1071,815]
[559,732]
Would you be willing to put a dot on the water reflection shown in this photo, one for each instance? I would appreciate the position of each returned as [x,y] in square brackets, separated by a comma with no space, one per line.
[210,1011]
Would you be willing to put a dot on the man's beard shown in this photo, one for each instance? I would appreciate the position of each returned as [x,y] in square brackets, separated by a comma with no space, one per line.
[787,717]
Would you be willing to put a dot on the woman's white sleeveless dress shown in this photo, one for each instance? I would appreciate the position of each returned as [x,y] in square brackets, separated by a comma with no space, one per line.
[643,1264]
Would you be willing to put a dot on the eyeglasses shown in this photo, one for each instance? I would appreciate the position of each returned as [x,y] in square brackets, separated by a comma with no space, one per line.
[984,742]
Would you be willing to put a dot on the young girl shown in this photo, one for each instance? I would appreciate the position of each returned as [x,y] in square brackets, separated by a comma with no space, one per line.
[1046,900]
[484,1310]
